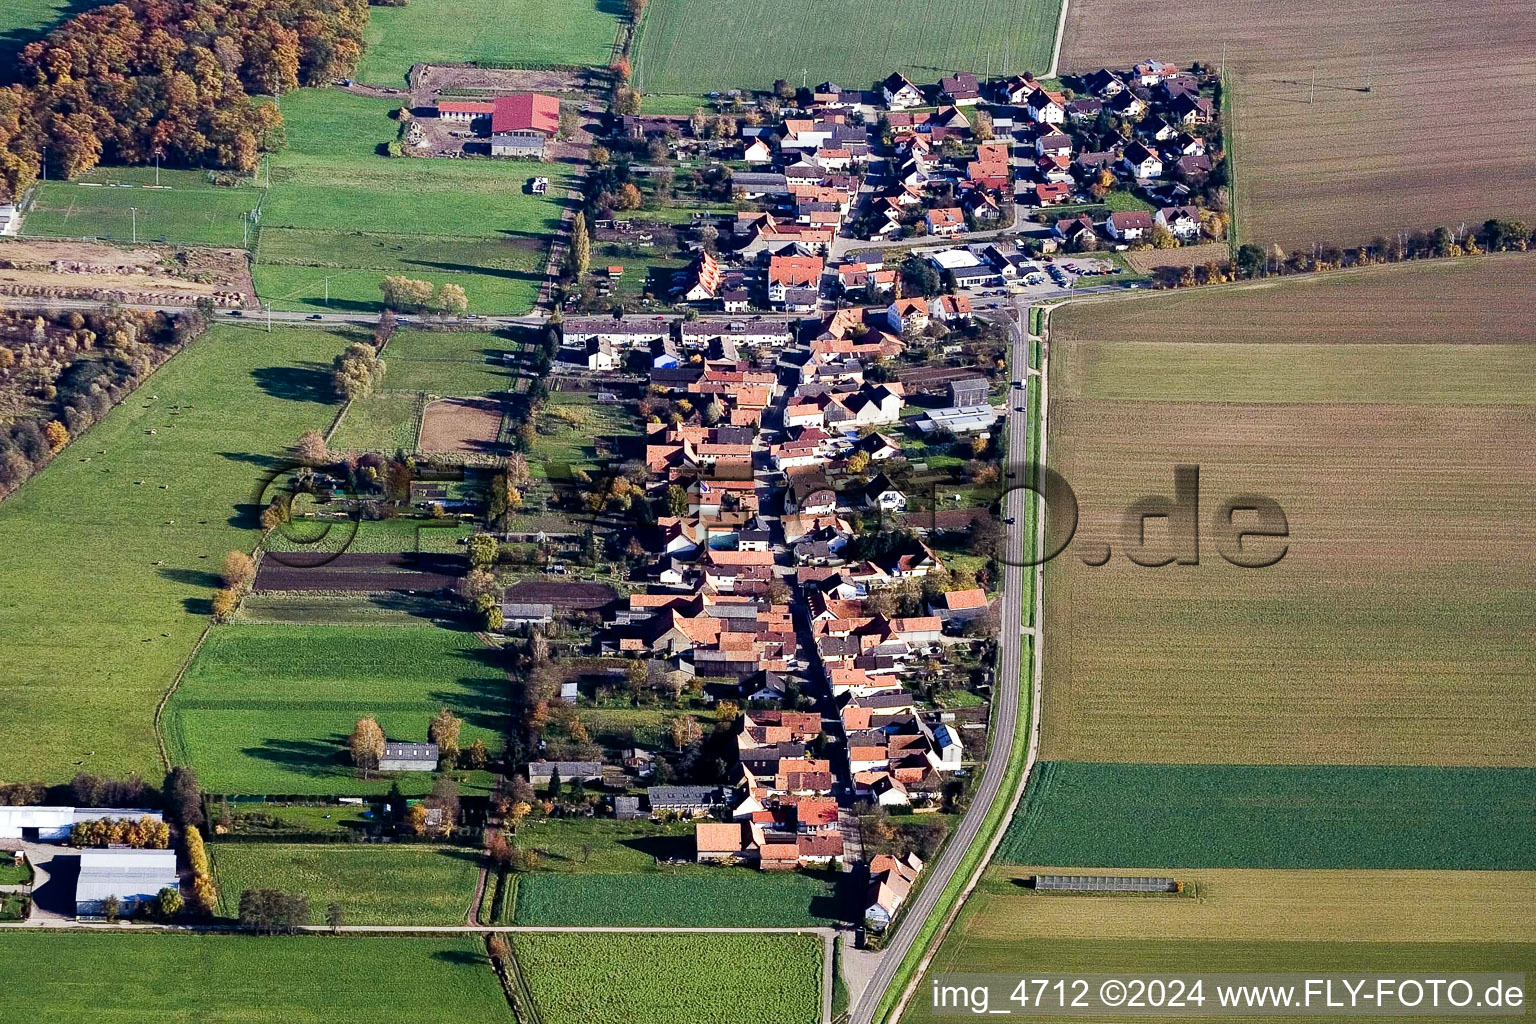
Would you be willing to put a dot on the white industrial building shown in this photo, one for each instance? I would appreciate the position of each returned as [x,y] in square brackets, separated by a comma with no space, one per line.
[135,877]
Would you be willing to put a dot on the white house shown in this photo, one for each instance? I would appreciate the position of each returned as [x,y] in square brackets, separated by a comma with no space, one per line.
[599,354]
[1128,225]
[1183,222]
[758,152]
[907,316]
[1141,162]
[900,93]
[1046,107]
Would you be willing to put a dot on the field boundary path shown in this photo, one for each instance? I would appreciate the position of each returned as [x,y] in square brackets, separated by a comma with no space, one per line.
[866,1009]
[1061,34]
[170,691]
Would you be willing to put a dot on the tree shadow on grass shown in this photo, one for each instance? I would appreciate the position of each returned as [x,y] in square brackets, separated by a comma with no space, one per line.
[462,958]
[661,847]
[314,757]
[307,382]
[192,577]
[465,268]
[483,703]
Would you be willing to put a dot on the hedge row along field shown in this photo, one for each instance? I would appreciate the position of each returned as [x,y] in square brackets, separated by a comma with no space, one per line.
[1275,816]
[194,979]
[267,709]
[112,552]
[690,896]
[698,46]
[661,979]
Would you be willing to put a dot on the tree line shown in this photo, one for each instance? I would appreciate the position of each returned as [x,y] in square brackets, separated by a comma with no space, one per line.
[172,79]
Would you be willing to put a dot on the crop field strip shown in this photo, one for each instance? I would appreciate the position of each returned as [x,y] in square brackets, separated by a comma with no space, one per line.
[697,46]
[120,500]
[682,897]
[1339,163]
[426,884]
[1395,630]
[659,978]
[1248,905]
[194,979]
[267,709]
[1275,816]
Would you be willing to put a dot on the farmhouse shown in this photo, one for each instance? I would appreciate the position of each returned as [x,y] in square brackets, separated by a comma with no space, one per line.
[465,111]
[409,757]
[691,801]
[518,145]
[540,772]
[134,877]
[890,882]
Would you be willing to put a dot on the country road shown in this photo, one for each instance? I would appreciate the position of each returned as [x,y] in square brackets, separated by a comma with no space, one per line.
[1005,709]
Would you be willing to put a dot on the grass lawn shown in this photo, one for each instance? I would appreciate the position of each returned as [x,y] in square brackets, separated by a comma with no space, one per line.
[1129,815]
[603,845]
[439,32]
[687,895]
[133,526]
[338,209]
[458,363]
[188,212]
[384,421]
[267,709]
[427,884]
[10,874]
[659,979]
[700,46]
[436,536]
[568,426]
[197,979]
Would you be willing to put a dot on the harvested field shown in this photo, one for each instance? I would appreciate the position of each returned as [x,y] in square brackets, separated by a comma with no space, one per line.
[1336,162]
[369,573]
[462,425]
[1144,261]
[1246,905]
[580,597]
[1395,630]
[159,274]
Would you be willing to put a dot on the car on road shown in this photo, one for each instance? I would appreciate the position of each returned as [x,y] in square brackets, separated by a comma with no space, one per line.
[1020,408]
[234,312]
[1010,520]
[1018,383]
[314,316]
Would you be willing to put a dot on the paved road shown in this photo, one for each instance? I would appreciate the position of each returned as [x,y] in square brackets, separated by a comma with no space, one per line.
[1005,707]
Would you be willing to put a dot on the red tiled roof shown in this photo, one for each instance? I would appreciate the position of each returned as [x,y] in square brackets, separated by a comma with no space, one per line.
[526,111]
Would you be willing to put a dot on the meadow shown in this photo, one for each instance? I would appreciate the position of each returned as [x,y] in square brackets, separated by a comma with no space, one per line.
[700,46]
[132,521]
[490,31]
[267,709]
[569,426]
[1248,905]
[186,210]
[658,979]
[1013,955]
[1331,104]
[427,884]
[1274,816]
[463,363]
[22,21]
[685,896]
[385,421]
[194,979]
[337,208]
[1395,628]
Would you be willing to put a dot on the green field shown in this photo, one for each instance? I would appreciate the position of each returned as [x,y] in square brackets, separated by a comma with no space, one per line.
[267,709]
[338,209]
[197,979]
[661,979]
[686,896]
[133,526]
[385,421]
[459,363]
[1066,956]
[568,426]
[1129,815]
[188,211]
[502,31]
[427,884]
[698,46]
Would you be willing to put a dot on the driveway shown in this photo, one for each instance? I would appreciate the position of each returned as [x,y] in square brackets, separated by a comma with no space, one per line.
[54,870]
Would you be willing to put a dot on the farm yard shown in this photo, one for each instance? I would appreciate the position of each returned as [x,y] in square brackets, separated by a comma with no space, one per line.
[1350,159]
[658,979]
[689,895]
[267,709]
[193,979]
[120,203]
[1248,905]
[690,47]
[427,884]
[151,500]
[468,425]
[1395,629]
[1276,816]
[487,32]
[337,208]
